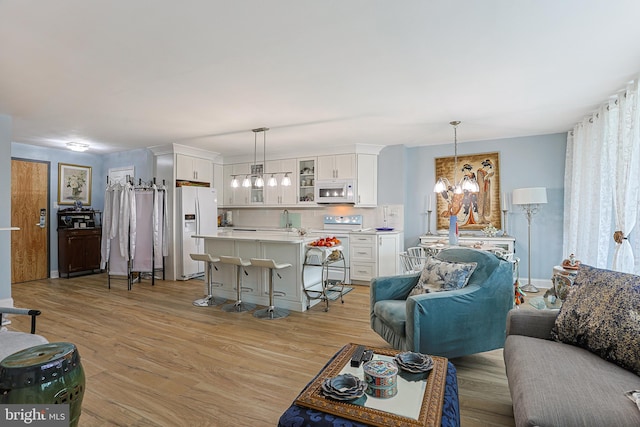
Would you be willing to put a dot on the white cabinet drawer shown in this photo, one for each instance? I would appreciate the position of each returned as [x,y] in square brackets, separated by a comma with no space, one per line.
[362,253]
[362,239]
[362,270]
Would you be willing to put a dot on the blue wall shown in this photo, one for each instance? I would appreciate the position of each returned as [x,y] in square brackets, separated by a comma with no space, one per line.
[536,161]
[141,159]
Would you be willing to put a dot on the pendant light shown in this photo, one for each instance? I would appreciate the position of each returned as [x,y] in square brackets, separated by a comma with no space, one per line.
[467,183]
[259,173]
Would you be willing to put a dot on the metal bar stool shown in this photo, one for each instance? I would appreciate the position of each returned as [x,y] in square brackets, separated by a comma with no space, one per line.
[239,305]
[209,299]
[271,312]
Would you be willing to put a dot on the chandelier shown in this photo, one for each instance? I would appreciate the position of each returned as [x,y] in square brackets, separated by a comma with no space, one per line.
[259,171]
[467,183]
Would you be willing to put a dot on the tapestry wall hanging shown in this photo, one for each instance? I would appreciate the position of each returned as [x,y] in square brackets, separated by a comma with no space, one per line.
[478,209]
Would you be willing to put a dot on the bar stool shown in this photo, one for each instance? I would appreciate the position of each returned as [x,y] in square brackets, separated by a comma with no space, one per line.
[209,299]
[271,312]
[239,305]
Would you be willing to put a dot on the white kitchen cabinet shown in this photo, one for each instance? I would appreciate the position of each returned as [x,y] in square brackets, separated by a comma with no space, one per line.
[306,172]
[189,168]
[219,182]
[367,182]
[236,196]
[280,194]
[339,166]
[374,255]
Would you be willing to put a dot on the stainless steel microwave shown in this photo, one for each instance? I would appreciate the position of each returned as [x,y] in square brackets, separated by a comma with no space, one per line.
[335,191]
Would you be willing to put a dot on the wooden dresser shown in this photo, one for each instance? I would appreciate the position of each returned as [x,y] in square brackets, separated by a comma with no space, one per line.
[79,239]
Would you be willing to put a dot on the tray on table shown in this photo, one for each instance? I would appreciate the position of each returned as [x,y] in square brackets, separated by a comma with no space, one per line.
[429,405]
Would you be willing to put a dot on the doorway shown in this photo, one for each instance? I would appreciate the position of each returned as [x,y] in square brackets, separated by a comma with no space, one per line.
[30,190]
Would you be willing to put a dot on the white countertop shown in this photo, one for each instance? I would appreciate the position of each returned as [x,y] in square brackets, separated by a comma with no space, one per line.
[259,236]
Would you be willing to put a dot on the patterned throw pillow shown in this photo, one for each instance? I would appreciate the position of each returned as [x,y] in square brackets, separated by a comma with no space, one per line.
[439,275]
[602,314]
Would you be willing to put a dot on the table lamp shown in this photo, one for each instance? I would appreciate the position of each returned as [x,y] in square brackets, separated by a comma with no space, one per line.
[529,200]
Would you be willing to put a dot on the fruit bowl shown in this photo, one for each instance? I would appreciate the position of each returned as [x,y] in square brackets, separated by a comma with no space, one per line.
[327,242]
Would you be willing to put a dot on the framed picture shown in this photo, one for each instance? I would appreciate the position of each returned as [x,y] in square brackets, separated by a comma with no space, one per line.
[479,209]
[74,184]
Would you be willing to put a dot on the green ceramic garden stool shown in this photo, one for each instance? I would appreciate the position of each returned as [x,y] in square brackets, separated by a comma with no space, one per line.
[44,374]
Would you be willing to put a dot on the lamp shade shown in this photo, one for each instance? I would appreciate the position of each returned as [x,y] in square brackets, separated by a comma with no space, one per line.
[530,196]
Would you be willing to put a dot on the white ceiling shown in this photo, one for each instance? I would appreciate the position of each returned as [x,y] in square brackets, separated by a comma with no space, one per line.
[122,74]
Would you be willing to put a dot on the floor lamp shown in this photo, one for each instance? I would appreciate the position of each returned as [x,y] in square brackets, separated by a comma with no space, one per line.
[529,200]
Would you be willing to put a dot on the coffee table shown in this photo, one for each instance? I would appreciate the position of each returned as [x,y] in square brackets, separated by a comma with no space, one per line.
[422,400]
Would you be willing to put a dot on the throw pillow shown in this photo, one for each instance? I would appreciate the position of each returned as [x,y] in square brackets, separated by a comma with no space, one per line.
[439,275]
[602,314]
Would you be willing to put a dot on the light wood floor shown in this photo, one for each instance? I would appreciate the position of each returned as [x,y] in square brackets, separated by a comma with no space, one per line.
[153,359]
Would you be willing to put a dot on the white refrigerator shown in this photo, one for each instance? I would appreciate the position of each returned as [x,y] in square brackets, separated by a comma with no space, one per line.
[197,214]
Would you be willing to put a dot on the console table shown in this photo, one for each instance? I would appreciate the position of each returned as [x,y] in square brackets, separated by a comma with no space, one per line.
[503,242]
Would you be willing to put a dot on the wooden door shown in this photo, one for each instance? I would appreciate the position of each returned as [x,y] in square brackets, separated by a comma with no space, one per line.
[29,245]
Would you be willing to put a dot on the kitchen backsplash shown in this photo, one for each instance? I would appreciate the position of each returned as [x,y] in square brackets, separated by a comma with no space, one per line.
[312,218]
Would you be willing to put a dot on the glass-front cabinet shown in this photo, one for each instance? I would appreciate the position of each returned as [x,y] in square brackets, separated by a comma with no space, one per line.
[306,180]
[257,193]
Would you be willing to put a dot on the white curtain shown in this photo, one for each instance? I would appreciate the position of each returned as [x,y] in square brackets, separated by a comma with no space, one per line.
[601,185]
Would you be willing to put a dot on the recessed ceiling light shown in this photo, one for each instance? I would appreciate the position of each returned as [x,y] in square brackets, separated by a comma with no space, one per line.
[77,146]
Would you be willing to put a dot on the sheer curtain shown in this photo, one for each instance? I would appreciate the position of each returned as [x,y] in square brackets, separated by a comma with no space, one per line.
[602,193]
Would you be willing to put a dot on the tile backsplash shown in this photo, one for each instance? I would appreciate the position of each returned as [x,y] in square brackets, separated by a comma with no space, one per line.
[312,218]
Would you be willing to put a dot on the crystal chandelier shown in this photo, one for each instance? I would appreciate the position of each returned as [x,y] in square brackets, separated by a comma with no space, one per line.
[259,171]
[466,183]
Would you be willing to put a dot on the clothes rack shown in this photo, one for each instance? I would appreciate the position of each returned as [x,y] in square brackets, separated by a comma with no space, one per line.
[134,230]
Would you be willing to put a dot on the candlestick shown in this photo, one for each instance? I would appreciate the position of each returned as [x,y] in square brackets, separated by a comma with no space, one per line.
[429,220]
[504,222]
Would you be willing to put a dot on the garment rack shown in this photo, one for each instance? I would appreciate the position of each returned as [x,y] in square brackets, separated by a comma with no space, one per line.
[126,262]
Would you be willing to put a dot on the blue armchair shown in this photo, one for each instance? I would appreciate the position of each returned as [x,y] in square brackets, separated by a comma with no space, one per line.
[449,323]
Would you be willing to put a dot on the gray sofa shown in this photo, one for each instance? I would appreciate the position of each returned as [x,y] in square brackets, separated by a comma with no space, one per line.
[557,384]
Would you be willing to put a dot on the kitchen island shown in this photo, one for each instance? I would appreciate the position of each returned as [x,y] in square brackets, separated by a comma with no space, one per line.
[281,246]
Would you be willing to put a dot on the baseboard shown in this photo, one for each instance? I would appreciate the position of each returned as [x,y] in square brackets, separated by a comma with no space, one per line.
[55,274]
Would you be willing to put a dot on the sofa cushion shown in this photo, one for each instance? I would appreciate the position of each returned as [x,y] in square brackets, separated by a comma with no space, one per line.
[439,275]
[555,384]
[602,315]
[393,313]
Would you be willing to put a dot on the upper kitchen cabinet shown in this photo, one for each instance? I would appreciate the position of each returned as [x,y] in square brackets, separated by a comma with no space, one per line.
[306,180]
[367,184]
[280,194]
[339,166]
[240,195]
[189,168]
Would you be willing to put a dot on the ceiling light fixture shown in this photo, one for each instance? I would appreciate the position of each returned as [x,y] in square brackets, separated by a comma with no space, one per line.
[77,146]
[467,183]
[256,177]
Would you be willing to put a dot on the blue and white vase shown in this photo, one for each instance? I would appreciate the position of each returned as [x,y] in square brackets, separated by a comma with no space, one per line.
[453,230]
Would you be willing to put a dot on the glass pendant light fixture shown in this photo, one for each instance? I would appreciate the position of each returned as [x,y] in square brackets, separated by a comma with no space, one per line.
[259,171]
[443,186]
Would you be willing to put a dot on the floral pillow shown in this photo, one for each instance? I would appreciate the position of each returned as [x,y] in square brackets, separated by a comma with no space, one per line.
[602,314]
[438,276]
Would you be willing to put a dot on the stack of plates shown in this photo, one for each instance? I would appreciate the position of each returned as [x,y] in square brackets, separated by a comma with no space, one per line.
[343,387]
[414,362]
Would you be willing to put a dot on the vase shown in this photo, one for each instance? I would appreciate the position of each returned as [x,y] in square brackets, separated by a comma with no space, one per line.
[453,230]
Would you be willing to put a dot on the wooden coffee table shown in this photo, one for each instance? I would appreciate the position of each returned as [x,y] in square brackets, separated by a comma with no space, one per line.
[422,400]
